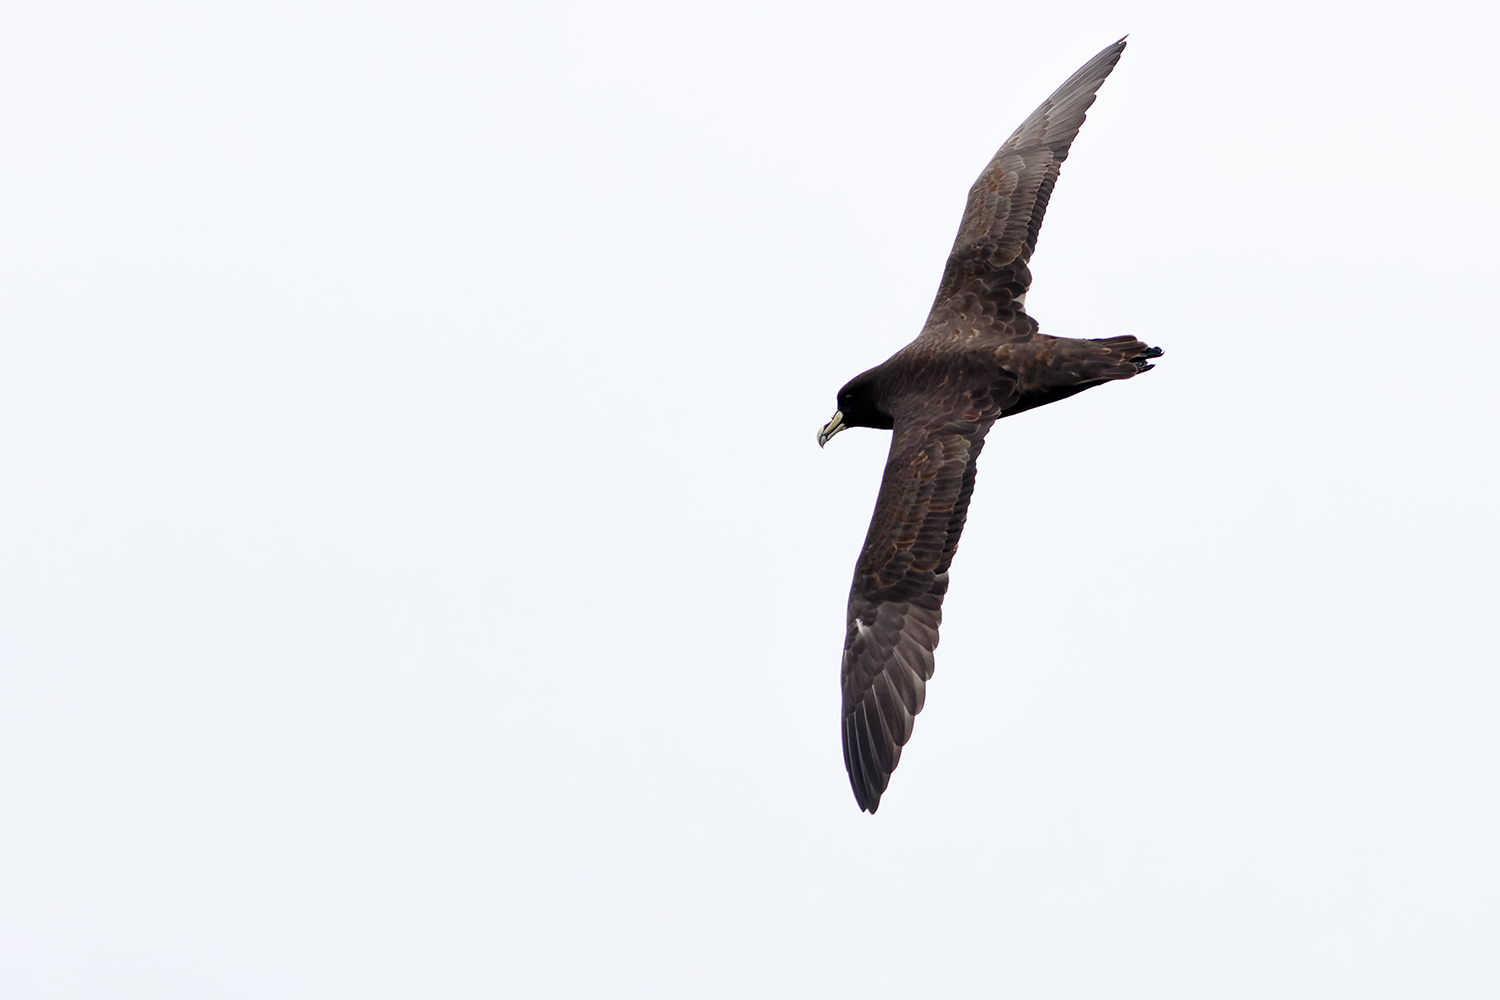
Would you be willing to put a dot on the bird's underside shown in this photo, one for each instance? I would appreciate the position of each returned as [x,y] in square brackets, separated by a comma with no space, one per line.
[979,358]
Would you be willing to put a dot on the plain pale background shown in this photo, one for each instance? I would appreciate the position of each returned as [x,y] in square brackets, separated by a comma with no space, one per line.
[418,577]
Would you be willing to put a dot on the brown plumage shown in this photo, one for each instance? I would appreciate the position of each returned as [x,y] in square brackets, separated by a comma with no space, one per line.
[979,358]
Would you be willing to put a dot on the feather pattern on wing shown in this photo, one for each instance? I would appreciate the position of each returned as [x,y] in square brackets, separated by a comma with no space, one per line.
[999,230]
[895,603]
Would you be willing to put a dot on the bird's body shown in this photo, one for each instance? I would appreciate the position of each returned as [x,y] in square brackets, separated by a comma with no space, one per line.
[979,358]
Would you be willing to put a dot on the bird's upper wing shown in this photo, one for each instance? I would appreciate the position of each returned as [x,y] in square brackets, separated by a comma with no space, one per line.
[895,604]
[1004,214]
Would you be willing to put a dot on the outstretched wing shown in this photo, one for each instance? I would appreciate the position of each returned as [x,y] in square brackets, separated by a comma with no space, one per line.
[896,602]
[999,230]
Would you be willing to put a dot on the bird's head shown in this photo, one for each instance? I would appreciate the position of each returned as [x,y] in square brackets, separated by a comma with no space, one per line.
[859,406]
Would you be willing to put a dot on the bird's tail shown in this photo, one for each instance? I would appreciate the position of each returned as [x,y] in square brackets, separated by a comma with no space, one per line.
[1063,368]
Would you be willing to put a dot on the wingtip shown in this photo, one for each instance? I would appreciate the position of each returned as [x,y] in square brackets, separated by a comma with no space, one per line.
[867,797]
[1099,67]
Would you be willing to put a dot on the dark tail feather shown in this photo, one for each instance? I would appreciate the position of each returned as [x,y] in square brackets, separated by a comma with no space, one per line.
[1127,358]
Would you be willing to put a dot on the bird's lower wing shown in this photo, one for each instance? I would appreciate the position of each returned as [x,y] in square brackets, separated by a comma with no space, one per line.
[895,604]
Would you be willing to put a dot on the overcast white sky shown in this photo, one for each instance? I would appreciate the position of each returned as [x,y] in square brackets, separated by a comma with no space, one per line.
[418,577]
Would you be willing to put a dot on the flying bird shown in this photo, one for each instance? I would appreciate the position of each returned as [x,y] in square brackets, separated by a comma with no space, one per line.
[978,359]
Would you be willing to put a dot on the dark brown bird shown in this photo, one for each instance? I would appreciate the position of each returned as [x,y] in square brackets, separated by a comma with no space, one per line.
[978,359]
